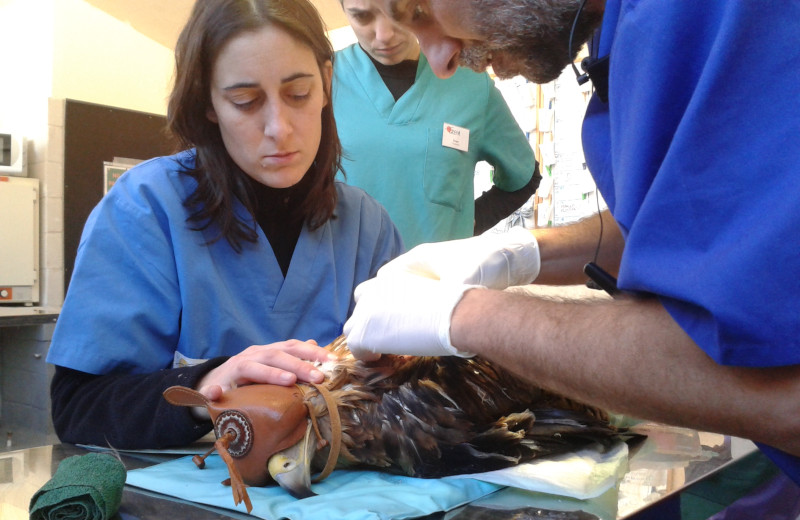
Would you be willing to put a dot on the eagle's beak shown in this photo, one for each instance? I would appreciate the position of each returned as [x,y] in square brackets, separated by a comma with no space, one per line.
[291,468]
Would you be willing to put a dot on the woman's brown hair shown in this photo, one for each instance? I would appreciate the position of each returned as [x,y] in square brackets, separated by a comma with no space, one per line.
[211,25]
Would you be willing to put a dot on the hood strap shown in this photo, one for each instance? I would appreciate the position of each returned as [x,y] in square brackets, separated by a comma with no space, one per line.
[238,487]
[336,430]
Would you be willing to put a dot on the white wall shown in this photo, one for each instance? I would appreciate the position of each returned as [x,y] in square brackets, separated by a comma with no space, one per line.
[99,59]
[68,49]
[26,40]
[342,37]
[54,50]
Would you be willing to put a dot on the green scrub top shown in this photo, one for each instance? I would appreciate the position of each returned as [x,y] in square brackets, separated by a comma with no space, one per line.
[394,151]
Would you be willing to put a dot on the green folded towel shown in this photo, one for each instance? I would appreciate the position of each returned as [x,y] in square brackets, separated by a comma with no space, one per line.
[84,487]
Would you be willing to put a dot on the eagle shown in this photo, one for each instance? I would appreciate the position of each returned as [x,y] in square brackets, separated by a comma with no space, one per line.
[425,417]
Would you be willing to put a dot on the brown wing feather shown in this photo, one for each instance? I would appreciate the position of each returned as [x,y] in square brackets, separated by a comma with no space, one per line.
[437,416]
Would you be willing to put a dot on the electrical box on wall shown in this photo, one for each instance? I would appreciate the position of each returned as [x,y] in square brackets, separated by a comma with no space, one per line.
[13,155]
[19,240]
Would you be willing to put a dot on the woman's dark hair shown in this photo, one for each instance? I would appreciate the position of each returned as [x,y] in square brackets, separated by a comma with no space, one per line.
[211,25]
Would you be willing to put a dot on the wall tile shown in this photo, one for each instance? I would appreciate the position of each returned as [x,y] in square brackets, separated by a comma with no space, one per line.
[51,288]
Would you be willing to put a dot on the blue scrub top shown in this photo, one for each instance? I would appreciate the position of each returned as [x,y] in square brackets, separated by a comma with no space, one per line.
[393,150]
[697,155]
[146,286]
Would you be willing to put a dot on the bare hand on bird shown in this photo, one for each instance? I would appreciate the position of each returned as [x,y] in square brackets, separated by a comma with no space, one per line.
[281,363]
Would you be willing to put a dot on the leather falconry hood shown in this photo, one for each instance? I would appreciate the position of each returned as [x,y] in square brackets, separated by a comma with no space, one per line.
[251,424]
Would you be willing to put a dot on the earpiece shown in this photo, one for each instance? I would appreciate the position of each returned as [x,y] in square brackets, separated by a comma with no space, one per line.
[594,68]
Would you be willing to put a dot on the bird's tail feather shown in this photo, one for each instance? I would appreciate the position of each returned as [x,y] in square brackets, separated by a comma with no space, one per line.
[521,437]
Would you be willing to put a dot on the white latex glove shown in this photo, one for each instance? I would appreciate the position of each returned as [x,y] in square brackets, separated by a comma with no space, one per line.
[403,314]
[495,260]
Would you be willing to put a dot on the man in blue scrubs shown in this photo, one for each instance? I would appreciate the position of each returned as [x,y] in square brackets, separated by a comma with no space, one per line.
[412,140]
[693,142]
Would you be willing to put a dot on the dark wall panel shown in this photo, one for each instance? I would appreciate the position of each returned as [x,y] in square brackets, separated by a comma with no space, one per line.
[94,134]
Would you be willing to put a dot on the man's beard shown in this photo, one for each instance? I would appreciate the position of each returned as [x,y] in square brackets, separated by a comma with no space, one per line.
[527,37]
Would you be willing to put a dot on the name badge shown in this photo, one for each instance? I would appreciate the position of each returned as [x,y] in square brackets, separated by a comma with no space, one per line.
[455,137]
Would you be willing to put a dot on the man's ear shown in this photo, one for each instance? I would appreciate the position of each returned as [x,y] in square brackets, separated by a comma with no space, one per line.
[211,114]
[327,78]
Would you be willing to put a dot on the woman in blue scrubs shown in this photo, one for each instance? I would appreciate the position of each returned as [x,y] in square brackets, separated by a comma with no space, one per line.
[197,268]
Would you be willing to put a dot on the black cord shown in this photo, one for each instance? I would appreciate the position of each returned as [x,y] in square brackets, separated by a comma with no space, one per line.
[578,75]
[598,278]
[600,216]
[571,34]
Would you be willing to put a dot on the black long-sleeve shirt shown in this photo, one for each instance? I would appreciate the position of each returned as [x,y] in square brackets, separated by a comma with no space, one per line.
[125,411]
[495,204]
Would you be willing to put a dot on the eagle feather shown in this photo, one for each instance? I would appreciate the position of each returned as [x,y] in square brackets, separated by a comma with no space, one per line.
[430,417]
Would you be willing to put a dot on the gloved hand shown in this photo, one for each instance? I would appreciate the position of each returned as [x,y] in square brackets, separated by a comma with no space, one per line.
[403,314]
[495,260]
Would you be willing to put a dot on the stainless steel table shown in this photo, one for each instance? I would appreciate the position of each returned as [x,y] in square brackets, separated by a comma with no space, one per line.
[669,464]
[21,316]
